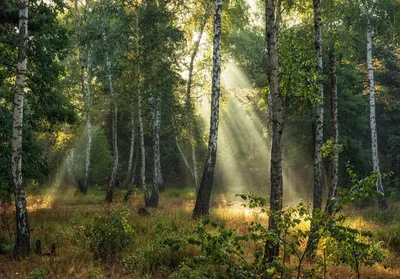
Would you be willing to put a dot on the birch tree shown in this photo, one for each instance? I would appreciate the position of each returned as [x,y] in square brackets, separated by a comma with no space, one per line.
[157,175]
[204,194]
[189,106]
[372,116]
[272,15]
[22,242]
[319,129]
[114,108]
[319,124]
[86,94]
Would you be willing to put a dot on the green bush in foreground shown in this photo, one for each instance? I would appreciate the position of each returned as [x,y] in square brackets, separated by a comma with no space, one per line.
[107,237]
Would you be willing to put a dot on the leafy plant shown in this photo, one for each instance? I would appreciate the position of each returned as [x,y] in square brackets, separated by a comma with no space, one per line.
[109,235]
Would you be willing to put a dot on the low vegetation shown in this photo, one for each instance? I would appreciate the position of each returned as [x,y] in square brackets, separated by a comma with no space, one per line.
[98,240]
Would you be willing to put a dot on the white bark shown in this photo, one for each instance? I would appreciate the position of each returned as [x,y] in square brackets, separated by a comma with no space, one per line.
[22,244]
[157,175]
[372,117]
[272,15]
[88,104]
[204,194]
[142,152]
[189,106]
[114,107]
[132,148]
[319,124]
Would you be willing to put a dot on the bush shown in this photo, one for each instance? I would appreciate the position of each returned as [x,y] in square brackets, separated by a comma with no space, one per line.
[37,274]
[108,236]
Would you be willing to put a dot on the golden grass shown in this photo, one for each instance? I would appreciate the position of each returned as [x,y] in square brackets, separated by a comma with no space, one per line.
[55,218]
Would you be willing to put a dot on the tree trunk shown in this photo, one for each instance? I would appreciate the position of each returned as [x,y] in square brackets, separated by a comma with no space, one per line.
[272,11]
[189,107]
[335,133]
[110,189]
[204,194]
[142,153]
[88,102]
[319,129]
[157,175]
[22,242]
[372,118]
[132,149]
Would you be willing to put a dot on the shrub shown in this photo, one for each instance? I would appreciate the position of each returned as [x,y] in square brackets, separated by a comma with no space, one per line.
[108,236]
[37,274]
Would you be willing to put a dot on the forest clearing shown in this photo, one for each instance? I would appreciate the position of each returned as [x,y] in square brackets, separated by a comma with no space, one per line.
[199,139]
[60,217]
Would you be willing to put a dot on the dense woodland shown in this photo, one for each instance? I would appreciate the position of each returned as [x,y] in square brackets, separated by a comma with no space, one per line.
[199,139]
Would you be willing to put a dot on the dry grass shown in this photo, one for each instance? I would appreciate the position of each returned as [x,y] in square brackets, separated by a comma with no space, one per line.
[55,218]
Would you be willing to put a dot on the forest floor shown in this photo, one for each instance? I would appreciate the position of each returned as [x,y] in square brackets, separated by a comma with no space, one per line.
[57,217]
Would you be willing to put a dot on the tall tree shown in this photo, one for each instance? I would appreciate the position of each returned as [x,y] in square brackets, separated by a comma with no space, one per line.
[86,95]
[189,106]
[204,193]
[114,113]
[335,132]
[272,15]
[319,126]
[157,175]
[22,242]
[372,116]
[88,102]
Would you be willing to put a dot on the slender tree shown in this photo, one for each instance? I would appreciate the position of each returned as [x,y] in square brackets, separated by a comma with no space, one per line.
[22,242]
[319,124]
[131,149]
[114,113]
[204,194]
[319,127]
[335,132]
[157,175]
[372,117]
[88,102]
[189,106]
[272,14]
[86,95]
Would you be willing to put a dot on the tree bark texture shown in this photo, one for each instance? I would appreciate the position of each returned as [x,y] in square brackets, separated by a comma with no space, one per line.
[88,105]
[272,10]
[114,113]
[189,106]
[319,124]
[204,194]
[22,242]
[319,129]
[372,116]
[157,174]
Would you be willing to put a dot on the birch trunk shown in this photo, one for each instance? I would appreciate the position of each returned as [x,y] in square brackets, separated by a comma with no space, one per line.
[132,149]
[204,194]
[189,107]
[110,189]
[372,118]
[319,130]
[319,124]
[157,175]
[88,102]
[272,13]
[142,152]
[22,242]
[335,134]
